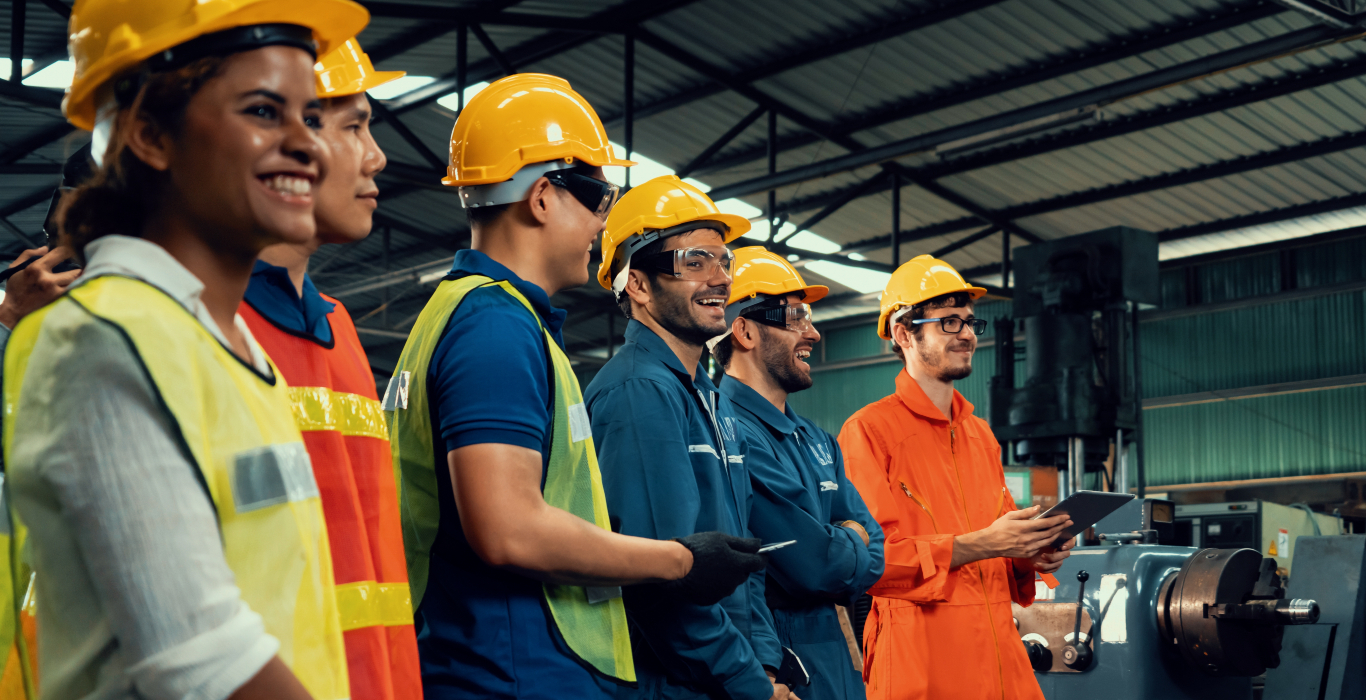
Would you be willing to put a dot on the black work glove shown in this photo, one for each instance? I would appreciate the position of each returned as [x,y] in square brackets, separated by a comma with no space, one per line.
[720,563]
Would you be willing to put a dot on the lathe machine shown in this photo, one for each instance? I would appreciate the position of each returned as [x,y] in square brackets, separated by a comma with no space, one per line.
[1149,621]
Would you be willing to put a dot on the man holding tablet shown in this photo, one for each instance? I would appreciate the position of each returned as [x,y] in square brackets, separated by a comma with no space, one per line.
[957,551]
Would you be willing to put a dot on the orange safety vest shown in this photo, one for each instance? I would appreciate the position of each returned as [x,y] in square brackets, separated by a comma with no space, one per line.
[936,632]
[335,404]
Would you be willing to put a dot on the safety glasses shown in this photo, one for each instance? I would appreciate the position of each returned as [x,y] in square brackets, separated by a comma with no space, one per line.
[793,318]
[698,263]
[599,196]
[954,325]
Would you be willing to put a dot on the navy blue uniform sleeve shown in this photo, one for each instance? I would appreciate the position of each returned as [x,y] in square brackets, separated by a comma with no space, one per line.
[639,430]
[828,561]
[763,634]
[849,505]
[489,378]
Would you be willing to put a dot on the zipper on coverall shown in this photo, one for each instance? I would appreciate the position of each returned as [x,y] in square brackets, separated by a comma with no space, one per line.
[986,599]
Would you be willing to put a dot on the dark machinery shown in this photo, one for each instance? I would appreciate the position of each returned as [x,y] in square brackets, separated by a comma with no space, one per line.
[1151,621]
[1077,298]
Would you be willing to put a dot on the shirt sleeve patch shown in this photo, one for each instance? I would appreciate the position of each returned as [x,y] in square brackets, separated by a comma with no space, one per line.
[829,486]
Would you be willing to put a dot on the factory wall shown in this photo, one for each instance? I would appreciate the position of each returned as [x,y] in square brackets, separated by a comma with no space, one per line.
[1196,343]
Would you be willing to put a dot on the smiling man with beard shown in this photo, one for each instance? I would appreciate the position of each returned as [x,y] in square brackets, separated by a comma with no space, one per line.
[957,551]
[801,493]
[669,445]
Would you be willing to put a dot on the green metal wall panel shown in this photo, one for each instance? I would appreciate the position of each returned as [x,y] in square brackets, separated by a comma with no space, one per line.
[1317,432]
[1239,278]
[1173,282]
[1331,263]
[838,393]
[1285,342]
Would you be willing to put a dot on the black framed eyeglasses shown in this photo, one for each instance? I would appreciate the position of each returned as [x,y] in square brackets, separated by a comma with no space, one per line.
[954,325]
[599,196]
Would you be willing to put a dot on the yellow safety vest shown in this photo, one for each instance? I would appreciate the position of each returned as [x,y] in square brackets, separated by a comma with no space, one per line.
[238,427]
[18,627]
[596,632]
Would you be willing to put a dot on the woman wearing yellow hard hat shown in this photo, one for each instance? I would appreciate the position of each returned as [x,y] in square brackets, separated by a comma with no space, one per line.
[313,341]
[176,529]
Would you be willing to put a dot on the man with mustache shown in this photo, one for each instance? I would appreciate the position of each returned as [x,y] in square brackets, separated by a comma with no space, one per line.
[957,551]
[669,445]
[801,493]
[313,341]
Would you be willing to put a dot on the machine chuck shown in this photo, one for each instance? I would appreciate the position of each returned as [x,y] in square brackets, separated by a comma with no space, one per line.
[1224,612]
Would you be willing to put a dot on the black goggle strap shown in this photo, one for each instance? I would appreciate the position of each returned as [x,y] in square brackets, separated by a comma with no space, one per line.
[761,308]
[627,248]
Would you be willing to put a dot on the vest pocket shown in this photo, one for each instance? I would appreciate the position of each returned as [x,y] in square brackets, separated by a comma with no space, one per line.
[272,475]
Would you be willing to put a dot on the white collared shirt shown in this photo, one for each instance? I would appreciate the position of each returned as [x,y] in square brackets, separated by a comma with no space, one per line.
[144,260]
[134,593]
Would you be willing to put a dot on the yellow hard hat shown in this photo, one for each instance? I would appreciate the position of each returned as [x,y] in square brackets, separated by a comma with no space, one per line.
[919,279]
[523,119]
[110,37]
[759,271]
[648,213]
[347,70]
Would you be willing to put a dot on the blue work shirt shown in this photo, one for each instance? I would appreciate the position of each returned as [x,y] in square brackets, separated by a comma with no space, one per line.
[271,293]
[484,632]
[801,493]
[673,464]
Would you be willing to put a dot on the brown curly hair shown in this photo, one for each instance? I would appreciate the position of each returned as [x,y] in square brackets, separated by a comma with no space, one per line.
[121,194]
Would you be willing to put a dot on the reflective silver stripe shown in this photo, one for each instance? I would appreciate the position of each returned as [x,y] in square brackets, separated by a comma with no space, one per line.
[704,448]
[271,475]
[6,528]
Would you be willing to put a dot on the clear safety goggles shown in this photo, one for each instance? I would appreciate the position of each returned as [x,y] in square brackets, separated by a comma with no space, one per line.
[698,263]
[599,196]
[796,318]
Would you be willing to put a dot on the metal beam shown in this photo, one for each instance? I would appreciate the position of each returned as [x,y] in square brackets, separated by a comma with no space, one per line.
[38,97]
[1100,95]
[720,143]
[1280,156]
[492,49]
[59,7]
[820,49]
[850,195]
[1064,64]
[19,233]
[32,199]
[1263,217]
[966,241]
[1290,83]
[30,169]
[35,141]
[712,72]
[543,47]
[18,10]
[399,10]
[1287,83]
[384,115]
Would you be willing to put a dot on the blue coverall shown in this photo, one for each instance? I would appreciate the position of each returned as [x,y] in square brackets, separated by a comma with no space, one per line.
[673,464]
[801,493]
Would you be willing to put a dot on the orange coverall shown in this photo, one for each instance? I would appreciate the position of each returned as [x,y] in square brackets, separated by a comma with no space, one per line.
[936,632]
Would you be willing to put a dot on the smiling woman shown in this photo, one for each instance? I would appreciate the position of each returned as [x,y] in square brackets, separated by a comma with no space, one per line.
[150,444]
